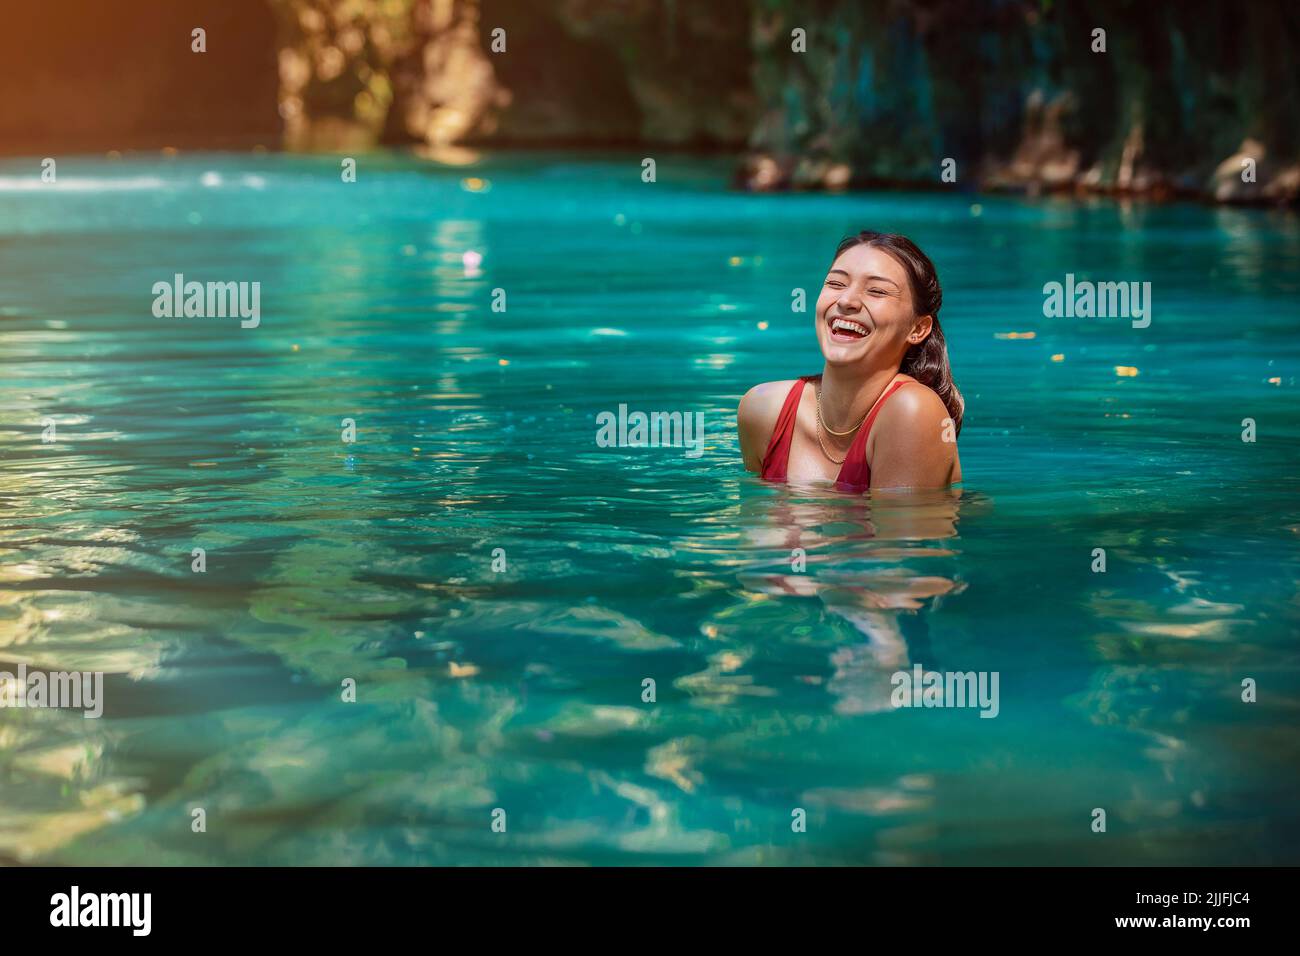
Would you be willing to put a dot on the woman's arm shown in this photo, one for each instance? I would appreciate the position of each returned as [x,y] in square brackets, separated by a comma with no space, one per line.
[756,417]
[914,445]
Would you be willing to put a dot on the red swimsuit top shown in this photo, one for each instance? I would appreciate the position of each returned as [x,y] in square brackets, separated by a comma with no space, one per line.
[854,473]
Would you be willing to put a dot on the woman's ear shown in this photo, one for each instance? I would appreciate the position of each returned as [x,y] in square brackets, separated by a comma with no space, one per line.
[921,330]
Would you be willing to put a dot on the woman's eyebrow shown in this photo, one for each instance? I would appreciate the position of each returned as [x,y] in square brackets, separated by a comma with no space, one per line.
[869,278]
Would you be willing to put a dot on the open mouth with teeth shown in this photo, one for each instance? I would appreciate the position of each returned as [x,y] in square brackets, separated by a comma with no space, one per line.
[847,330]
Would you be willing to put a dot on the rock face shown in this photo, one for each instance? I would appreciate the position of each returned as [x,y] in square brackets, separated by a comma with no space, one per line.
[1072,94]
[513,72]
[672,72]
[1033,95]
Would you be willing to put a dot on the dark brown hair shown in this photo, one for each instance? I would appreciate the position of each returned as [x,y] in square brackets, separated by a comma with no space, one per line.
[927,361]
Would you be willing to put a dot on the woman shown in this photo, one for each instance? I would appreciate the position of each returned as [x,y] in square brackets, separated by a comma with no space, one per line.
[884,413]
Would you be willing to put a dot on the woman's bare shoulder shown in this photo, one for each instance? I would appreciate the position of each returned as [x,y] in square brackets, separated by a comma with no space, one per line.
[756,418]
[910,407]
[761,405]
[913,443]
[767,394]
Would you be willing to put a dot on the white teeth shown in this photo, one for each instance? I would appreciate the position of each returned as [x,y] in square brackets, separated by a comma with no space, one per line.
[839,324]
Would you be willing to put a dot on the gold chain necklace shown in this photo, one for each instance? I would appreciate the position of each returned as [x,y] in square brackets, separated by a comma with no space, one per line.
[838,461]
[831,431]
[821,426]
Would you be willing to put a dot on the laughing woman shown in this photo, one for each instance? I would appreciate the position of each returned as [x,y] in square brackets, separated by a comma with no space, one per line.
[884,413]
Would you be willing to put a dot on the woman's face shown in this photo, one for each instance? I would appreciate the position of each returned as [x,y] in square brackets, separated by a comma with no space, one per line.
[865,311]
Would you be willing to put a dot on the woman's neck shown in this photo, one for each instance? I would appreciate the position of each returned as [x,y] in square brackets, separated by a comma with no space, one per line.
[847,393]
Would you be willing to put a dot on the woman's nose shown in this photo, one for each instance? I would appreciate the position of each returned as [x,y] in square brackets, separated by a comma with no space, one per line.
[849,301]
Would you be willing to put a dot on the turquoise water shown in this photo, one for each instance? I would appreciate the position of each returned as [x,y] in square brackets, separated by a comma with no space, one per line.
[521,687]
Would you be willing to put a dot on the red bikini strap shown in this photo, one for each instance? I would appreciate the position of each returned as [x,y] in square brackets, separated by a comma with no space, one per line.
[778,446]
[871,419]
[855,470]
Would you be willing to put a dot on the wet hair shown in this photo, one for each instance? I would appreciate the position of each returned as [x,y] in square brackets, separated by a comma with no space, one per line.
[927,361]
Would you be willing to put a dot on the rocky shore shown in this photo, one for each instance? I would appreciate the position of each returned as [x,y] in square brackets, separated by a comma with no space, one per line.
[1159,100]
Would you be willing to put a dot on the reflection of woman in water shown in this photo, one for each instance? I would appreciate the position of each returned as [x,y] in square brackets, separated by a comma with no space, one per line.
[860,563]
[884,413]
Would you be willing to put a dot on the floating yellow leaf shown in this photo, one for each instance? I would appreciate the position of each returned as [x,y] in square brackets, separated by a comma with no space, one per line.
[730,662]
